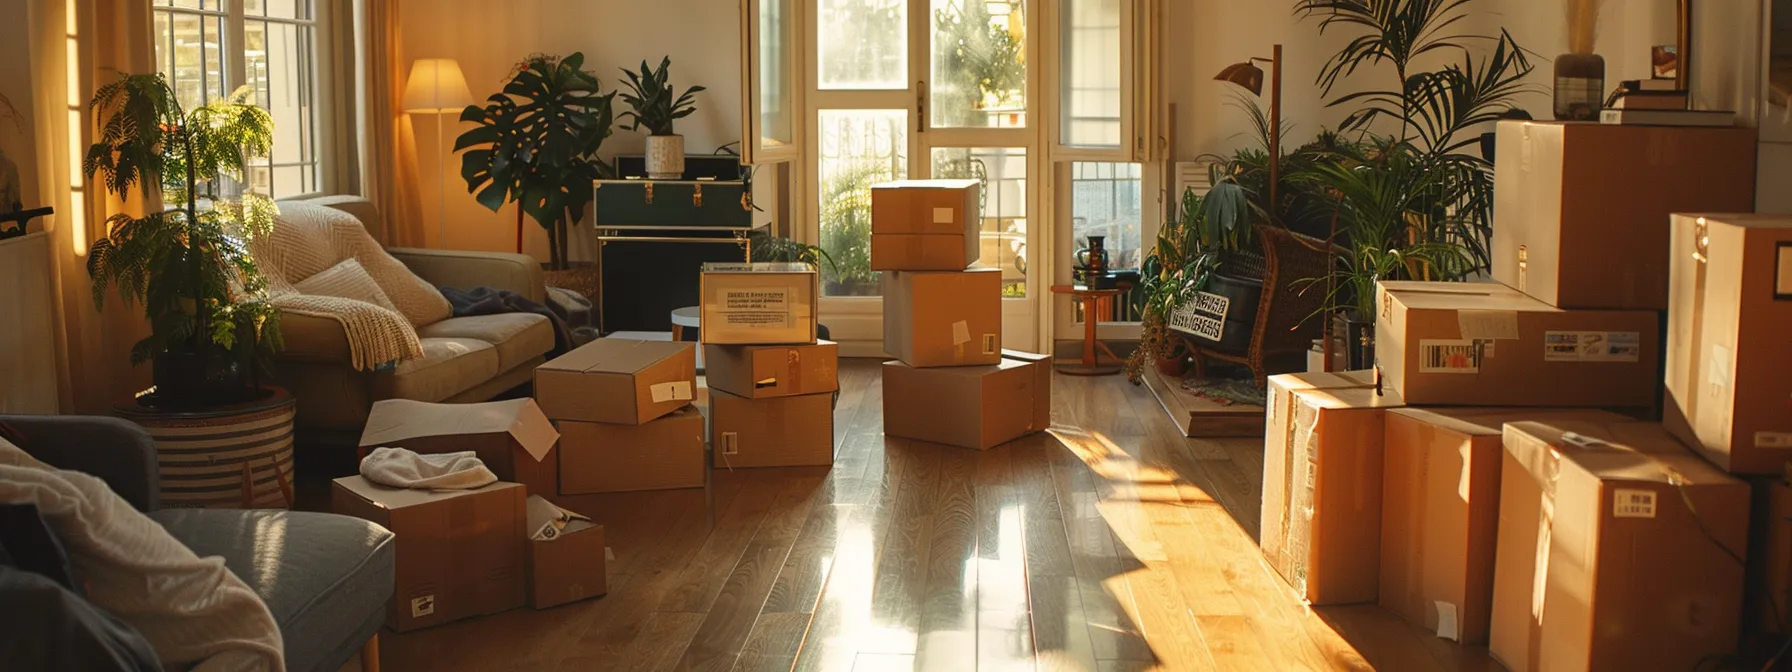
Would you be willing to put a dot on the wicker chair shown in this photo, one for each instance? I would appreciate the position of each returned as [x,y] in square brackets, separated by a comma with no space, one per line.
[1282,324]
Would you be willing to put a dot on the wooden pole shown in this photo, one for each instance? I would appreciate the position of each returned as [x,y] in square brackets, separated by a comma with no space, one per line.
[1275,130]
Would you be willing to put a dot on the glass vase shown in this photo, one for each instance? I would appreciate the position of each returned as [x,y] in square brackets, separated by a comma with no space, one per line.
[1580,87]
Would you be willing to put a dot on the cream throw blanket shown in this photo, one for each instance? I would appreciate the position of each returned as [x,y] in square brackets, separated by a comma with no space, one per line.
[191,609]
[308,239]
[402,468]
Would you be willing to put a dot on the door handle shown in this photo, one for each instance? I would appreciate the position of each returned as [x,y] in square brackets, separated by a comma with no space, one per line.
[920,106]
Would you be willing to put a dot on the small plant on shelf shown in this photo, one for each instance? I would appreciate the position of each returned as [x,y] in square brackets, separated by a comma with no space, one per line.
[654,107]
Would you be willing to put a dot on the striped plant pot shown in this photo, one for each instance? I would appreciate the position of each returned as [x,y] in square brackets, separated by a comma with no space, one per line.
[201,454]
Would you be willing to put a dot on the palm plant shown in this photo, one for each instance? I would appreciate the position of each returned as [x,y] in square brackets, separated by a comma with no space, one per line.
[536,144]
[650,96]
[189,266]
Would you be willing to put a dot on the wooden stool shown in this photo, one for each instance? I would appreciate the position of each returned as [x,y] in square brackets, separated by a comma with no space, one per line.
[1096,302]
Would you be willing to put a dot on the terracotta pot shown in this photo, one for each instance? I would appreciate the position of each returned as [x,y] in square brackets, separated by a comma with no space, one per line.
[1172,367]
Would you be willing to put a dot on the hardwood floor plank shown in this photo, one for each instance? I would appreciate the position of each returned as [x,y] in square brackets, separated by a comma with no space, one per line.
[901,583]
[1060,626]
[736,607]
[775,637]
[948,623]
[1004,616]
[663,635]
[704,574]
[1099,565]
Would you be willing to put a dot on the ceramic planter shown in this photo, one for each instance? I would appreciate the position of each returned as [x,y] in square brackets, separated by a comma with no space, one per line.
[665,157]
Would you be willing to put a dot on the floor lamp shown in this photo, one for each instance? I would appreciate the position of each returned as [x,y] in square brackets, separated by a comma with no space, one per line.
[437,87]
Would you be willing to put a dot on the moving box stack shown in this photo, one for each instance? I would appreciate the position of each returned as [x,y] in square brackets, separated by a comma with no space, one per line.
[771,382]
[623,408]
[1491,480]
[952,382]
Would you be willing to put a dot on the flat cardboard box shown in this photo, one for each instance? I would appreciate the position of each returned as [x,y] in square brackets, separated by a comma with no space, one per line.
[1440,512]
[663,454]
[923,251]
[1324,534]
[949,207]
[944,318]
[976,407]
[1729,367]
[764,371]
[777,432]
[1278,403]
[1485,344]
[1602,563]
[457,553]
[569,567]
[618,381]
[759,303]
[513,438]
[1582,209]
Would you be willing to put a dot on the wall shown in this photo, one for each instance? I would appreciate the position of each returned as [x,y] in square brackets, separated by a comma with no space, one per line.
[701,36]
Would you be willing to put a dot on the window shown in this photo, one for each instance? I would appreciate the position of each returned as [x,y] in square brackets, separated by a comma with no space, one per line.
[209,48]
[1091,88]
[1105,201]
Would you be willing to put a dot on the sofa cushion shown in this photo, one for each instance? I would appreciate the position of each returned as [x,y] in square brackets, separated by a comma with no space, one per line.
[447,367]
[347,280]
[519,337]
[320,574]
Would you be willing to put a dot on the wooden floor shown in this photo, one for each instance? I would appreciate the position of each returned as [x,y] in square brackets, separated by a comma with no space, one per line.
[1110,543]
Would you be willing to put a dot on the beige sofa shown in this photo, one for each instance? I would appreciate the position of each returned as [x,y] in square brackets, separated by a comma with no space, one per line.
[465,359]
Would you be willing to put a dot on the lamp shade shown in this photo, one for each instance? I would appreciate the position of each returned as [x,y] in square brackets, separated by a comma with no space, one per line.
[1246,74]
[436,86]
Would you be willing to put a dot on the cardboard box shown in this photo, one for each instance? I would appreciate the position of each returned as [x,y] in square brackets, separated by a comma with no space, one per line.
[1582,209]
[664,454]
[759,303]
[568,568]
[944,318]
[458,553]
[1484,344]
[618,381]
[1278,403]
[931,207]
[513,438]
[764,371]
[1729,367]
[1602,562]
[1440,512]
[1042,384]
[1324,533]
[923,252]
[1768,597]
[977,407]
[776,432]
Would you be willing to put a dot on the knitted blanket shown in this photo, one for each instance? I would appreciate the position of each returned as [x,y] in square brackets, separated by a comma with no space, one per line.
[310,238]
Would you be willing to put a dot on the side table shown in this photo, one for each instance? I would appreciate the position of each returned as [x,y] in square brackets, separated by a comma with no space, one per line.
[689,316]
[1096,302]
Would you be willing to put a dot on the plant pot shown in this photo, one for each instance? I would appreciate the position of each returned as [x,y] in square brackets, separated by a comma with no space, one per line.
[1171,367]
[1244,295]
[185,379]
[1580,87]
[201,452]
[1357,333]
[665,157]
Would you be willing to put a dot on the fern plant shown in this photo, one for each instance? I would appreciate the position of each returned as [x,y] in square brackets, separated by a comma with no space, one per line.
[650,96]
[189,266]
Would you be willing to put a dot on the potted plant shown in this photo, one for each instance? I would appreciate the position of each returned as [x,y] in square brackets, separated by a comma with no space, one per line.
[655,108]
[535,144]
[1179,265]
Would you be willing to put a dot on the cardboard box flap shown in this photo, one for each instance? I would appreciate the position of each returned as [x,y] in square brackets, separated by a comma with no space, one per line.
[1029,357]
[927,184]
[398,498]
[615,355]
[1621,451]
[1475,421]
[1347,398]
[1428,298]
[394,420]
[1746,220]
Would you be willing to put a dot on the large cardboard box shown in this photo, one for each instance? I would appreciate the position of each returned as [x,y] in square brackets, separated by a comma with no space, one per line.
[513,438]
[1729,354]
[764,371]
[944,318]
[569,567]
[1484,344]
[759,303]
[1769,595]
[1278,403]
[922,252]
[977,407]
[663,454]
[1324,532]
[776,432]
[1619,549]
[1582,209]
[928,207]
[617,380]
[457,553]
[1440,512]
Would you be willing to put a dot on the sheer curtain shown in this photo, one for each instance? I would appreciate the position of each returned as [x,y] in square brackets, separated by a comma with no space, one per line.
[389,155]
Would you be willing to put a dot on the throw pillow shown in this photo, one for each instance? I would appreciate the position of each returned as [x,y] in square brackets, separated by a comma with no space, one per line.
[348,280]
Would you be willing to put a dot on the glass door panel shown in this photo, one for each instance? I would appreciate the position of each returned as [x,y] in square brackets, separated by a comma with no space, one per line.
[863,44]
[857,149]
[777,113]
[1003,233]
[979,64]
[1092,77]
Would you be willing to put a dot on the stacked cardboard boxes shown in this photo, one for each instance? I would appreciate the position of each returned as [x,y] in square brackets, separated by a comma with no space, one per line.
[771,381]
[623,410]
[951,382]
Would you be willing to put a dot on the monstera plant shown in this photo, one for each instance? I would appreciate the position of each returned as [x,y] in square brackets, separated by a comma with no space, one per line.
[535,144]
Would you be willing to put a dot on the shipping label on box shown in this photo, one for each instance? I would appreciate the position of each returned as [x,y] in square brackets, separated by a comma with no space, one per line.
[758,303]
[1592,346]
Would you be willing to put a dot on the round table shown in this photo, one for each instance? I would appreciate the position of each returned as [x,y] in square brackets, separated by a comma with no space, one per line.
[688,316]
[1096,302]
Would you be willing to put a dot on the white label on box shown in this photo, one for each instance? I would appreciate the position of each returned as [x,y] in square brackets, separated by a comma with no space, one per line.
[423,606]
[1446,621]
[1633,503]
[1773,439]
[1203,315]
[942,215]
[1449,356]
[1592,346]
[1718,372]
[678,390]
[961,332]
[1488,324]
[755,308]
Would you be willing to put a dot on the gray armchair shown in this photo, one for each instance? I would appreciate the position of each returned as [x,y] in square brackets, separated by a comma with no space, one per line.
[326,578]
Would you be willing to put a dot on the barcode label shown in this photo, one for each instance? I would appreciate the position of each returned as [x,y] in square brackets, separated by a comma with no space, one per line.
[1773,439]
[1592,346]
[1449,357]
[1633,503]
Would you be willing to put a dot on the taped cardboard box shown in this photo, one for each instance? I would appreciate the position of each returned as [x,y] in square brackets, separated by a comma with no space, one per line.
[776,432]
[568,566]
[617,380]
[1279,402]
[944,318]
[976,407]
[1582,209]
[1042,384]
[1485,344]
[759,303]
[1619,549]
[1325,530]
[764,371]
[663,454]
[923,251]
[1440,512]
[457,553]
[933,207]
[513,438]
[1729,367]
